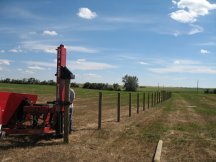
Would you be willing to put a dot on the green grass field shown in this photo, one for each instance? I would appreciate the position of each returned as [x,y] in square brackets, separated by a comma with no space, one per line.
[186,123]
[47,92]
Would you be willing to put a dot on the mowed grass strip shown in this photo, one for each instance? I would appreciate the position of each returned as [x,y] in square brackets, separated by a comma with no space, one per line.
[191,128]
[206,107]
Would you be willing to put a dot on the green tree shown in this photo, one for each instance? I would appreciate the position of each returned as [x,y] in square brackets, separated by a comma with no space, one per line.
[130,83]
[116,87]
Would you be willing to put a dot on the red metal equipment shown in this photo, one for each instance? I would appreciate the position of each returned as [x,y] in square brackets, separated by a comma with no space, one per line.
[9,102]
[19,113]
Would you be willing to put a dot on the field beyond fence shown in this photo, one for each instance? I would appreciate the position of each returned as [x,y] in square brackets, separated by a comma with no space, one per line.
[186,123]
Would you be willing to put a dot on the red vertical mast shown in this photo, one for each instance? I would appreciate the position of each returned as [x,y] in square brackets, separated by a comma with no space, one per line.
[60,88]
[63,76]
[61,61]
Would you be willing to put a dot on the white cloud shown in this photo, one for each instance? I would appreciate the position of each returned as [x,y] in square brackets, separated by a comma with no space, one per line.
[49,50]
[26,72]
[13,50]
[91,75]
[185,62]
[81,60]
[16,50]
[36,46]
[130,19]
[176,33]
[128,57]
[29,72]
[82,64]
[204,52]
[5,62]
[81,49]
[176,62]
[86,13]
[2,51]
[195,69]
[190,10]
[50,33]
[40,64]
[195,29]
[36,68]
[183,16]
[184,66]
[143,63]
[174,2]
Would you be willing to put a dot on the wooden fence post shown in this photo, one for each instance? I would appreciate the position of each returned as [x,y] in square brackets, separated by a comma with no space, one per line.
[165,95]
[118,108]
[155,98]
[152,100]
[99,110]
[143,101]
[137,103]
[148,100]
[162,96]
[129,104]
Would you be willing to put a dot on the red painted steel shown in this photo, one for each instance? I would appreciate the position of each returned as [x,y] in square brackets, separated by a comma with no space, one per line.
[36,109]
[35,118]
[29,131]
[9,103]
[60,87]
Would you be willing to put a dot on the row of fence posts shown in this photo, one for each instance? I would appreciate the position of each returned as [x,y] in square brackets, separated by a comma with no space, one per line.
[156,98]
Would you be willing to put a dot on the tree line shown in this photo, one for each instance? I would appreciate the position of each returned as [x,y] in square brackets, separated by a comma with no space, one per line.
[28,81]
[102,86]
[210,91]
[130,83]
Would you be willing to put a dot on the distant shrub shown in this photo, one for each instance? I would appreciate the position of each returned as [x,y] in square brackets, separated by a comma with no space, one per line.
[74,85]
[116,87]
[130,83]
[142,86]
[206,91]
[86,85]
[210,91]
[101,86]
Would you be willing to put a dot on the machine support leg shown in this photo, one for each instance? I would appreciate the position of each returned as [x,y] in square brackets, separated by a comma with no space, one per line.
[58,123]
[66,112]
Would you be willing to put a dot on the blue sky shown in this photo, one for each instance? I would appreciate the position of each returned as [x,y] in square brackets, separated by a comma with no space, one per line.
[171,43]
